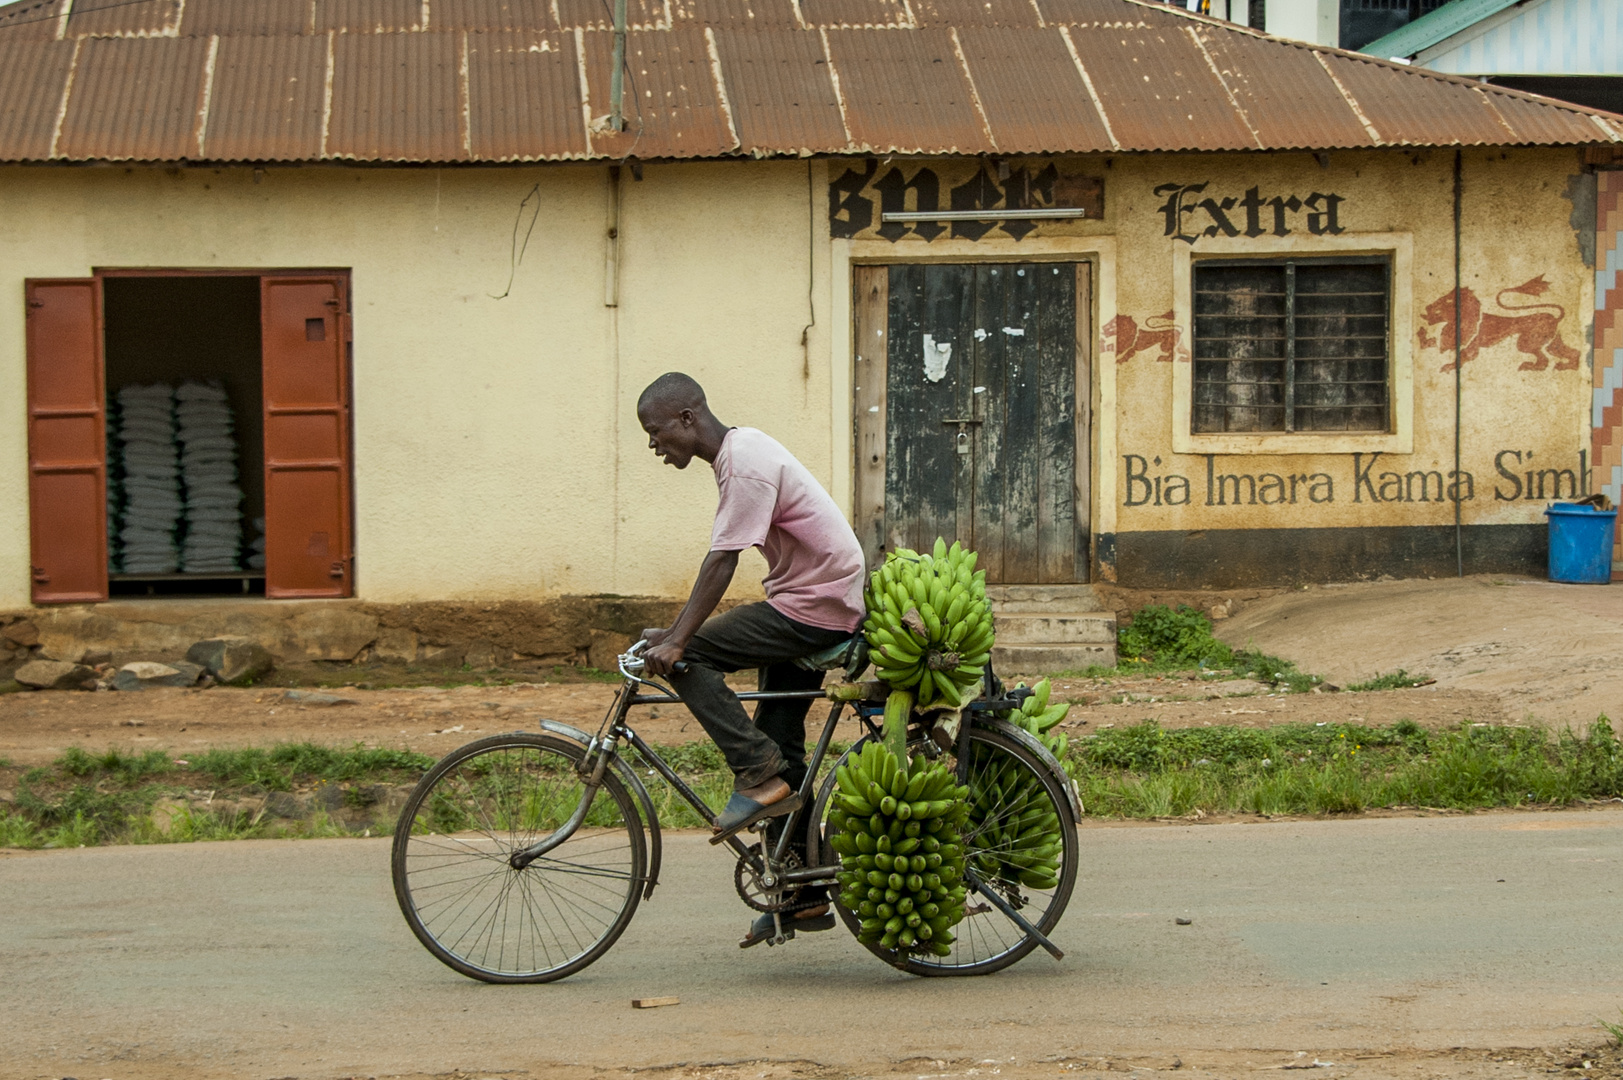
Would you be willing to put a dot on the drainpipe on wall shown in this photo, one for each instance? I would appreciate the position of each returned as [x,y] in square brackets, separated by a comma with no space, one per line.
[1459,531]
[611,252]
[617,80]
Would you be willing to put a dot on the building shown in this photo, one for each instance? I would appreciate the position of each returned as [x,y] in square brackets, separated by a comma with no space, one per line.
[1567,49]
[1112,291]
[1347,24]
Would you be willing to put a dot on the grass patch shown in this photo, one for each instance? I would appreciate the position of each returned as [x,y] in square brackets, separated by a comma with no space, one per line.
[1396,680]
[83,799]
[280,767]
[1139,771]
[1162,639]
[114,797]
[1148,771]
[1615,1030]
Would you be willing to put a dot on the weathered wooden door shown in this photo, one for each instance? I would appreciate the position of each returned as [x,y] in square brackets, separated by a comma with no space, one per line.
[972,404]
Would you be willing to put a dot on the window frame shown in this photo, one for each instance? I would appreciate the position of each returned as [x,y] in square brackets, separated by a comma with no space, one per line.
[1291,264]
[1397,249]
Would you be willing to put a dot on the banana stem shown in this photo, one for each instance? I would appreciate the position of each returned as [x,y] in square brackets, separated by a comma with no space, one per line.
[898,707]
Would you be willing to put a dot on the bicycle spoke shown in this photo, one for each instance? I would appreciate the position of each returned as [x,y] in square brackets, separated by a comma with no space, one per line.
[487,918]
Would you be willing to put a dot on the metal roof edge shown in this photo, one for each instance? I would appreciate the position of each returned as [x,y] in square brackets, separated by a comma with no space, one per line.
[1461,80]
[1428,30]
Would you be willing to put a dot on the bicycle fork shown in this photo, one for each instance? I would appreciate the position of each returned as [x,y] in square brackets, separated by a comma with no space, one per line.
[597,756]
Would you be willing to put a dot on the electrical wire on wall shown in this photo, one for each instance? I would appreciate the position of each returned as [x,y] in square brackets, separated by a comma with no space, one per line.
[516,253]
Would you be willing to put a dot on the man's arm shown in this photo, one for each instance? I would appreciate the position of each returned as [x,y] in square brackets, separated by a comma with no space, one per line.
[715,574]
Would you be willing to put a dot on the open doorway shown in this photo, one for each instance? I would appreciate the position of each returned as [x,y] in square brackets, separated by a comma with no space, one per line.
[189,433]
[185,435]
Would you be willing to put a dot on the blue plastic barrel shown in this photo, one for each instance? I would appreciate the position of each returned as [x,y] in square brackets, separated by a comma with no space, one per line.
[1581,543]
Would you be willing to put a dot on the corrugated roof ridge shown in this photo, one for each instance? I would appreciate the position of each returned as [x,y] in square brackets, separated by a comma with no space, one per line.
[1228,91]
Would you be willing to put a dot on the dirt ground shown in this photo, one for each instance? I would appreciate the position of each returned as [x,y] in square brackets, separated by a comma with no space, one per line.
[1591,1062]
[1500,651]
[1545,652]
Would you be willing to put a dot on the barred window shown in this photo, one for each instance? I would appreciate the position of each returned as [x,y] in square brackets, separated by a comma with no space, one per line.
[1294,345]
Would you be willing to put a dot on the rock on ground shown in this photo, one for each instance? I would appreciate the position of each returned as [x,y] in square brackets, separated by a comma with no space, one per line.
[233,661]
[53,675]
[144,674]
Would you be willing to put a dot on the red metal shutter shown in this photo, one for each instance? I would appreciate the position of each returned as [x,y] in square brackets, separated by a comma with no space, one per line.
[67,441]
[305,328]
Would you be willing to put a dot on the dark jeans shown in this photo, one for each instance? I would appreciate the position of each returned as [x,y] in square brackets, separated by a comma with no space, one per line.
[754,636]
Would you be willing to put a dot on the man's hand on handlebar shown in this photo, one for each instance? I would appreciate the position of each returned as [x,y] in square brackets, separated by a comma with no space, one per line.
[654,635]
[662,658]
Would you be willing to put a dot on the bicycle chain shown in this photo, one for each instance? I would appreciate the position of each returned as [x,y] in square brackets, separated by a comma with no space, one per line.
[744,878]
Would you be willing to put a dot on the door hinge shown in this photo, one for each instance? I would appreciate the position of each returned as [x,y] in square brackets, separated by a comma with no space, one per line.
[40,576]
[338,570]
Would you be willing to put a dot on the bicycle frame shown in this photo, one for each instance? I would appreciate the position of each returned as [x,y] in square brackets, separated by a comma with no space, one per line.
[601,749]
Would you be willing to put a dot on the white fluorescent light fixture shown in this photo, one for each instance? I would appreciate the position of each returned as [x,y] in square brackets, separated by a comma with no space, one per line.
[1044,214]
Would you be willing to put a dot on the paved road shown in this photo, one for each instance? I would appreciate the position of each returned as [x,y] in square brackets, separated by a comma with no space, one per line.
[276,959]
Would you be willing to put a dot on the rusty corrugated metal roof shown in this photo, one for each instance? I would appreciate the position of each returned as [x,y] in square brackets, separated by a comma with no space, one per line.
[491,15]
[780,89]
[1032,90]
[245,17]
[1284,95]
[134,99]
[397,97]
[121,18]
[524,100]
[672,99]
[267,92]
[763,14]
[35,19]
[528,80]
[907,92]
[861,14]
[1158,90]
[27,115]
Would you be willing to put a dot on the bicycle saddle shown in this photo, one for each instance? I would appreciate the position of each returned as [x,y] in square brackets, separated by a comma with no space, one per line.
[851,655]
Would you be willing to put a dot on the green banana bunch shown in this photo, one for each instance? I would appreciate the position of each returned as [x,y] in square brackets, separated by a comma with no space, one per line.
[896,826]
[1039,716]
[1013,823]
[929,625]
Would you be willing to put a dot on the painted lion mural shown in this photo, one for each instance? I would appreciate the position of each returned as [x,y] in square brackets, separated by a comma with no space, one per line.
[1535,328]
[1126,338]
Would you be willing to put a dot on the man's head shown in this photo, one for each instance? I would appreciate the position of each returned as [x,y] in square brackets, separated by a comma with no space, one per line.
[680,426]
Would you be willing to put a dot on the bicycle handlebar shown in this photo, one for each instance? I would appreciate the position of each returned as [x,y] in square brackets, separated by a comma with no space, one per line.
[632,664]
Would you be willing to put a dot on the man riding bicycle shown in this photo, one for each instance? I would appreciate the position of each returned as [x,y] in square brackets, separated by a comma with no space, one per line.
[813,602]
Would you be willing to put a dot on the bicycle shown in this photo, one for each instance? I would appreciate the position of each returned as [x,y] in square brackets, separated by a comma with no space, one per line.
[522,857]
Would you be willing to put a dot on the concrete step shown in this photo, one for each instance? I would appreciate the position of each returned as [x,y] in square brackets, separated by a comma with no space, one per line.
[1010,660]
[1016,599]
[1070,628]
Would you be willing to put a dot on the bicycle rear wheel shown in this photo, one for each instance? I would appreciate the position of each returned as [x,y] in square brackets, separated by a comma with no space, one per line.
[463,898]
[987,940]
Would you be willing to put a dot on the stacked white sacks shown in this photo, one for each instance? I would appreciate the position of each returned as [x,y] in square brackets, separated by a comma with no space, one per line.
[208,468]
[151,482]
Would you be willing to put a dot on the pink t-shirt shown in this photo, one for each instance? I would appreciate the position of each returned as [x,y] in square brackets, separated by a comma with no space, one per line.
[770,501]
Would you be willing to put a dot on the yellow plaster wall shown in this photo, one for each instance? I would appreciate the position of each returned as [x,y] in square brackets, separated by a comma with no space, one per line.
[1515,228]
[496,450]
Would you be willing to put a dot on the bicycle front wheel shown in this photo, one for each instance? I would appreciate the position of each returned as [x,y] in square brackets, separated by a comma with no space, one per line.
[1005,779]
[463,898]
